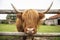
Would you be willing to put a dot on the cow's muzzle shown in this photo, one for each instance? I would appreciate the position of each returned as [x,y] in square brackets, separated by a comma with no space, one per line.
[30,31]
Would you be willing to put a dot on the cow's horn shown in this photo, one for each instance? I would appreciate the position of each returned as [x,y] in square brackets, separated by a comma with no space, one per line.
[14,8]
[48,8]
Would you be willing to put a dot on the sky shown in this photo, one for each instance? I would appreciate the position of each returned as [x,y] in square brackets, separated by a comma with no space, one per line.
[28,4]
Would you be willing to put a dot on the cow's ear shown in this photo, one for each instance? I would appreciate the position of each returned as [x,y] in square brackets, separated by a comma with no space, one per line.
[41,15]
[19,14]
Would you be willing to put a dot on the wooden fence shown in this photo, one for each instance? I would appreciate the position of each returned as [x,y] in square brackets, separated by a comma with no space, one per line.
[53,11]
[35,35]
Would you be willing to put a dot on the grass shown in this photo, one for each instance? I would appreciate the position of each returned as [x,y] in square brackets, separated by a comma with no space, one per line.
[41,28]
[7,28]
[45,28]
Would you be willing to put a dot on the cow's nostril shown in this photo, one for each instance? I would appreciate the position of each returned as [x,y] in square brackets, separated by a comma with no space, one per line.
[32,31]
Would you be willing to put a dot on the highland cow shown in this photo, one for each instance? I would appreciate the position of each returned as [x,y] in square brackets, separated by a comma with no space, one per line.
[28,20]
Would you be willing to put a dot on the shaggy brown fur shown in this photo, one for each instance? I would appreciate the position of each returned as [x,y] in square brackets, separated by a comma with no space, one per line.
[29,19]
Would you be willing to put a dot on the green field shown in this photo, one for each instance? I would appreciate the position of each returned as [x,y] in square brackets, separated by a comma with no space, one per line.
[45,28]
[41,28]
[7,28]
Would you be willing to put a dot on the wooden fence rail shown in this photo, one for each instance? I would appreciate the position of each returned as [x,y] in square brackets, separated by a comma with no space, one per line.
[53,11]
[35,35]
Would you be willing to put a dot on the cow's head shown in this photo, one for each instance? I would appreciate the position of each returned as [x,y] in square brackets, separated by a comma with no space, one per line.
[30,19]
